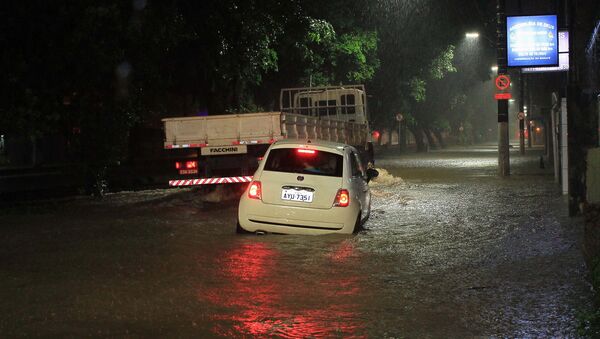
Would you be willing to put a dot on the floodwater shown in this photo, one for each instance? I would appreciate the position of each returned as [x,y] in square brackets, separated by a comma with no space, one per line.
[450,250]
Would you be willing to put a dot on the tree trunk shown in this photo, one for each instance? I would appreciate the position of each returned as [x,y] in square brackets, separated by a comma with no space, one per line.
[430,138]
[440,138]
[418,134]
[238,92]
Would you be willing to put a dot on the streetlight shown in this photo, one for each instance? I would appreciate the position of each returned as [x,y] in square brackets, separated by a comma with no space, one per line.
[476,35]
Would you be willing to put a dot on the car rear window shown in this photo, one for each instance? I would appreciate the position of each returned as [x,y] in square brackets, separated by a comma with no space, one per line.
[295,160]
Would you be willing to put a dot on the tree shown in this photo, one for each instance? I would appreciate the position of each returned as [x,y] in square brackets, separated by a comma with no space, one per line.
[414,39]
[329,44]
[66,75]
[93,70]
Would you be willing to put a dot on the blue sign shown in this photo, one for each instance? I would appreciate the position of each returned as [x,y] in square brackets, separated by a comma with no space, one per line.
[563,57]
[532,40]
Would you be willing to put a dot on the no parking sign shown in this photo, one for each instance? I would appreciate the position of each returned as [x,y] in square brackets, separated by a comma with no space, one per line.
[502,82]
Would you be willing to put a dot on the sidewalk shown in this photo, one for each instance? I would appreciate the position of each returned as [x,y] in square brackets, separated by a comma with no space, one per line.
[475,160]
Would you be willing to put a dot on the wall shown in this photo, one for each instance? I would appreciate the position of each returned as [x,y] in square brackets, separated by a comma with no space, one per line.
[593,176]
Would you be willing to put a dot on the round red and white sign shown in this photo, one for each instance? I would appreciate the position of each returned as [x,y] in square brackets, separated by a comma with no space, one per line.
[502,82]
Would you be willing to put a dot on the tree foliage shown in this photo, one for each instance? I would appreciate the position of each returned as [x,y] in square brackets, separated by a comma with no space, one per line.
[92,70]
[418,59]
[443,64]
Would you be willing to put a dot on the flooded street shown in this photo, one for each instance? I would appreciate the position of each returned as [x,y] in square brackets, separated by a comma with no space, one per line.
[450,250]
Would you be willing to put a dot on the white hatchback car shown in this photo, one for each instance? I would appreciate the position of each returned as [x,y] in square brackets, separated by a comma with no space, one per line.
[311,187]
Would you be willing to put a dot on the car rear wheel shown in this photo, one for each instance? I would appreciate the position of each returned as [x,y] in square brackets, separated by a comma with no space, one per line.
[240,230]
[357,225]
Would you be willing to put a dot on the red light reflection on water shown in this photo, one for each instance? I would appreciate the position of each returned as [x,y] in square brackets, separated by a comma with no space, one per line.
[250,262]
[343,253]
[262,297]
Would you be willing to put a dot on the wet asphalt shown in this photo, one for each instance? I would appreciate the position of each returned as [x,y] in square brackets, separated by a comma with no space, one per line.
[450,250]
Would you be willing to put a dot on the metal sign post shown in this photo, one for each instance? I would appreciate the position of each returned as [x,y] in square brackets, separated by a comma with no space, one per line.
[400,118]
[503,146]
[521,132]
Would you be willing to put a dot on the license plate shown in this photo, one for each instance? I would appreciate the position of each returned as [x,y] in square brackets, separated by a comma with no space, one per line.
[296,195]
[190,171]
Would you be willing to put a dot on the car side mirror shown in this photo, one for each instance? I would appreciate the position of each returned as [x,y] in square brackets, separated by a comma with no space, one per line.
[372,173]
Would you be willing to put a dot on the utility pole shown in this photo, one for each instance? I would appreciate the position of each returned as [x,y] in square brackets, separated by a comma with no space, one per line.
[503,149]
[529,114]
[522,113]
[576,152]
[521,104]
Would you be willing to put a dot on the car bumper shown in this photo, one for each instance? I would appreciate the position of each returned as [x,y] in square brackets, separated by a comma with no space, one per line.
[256,216]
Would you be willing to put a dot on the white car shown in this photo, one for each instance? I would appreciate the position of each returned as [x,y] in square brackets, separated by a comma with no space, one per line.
[310,187]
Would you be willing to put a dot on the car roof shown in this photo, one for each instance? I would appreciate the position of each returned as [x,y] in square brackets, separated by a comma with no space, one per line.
[310,143]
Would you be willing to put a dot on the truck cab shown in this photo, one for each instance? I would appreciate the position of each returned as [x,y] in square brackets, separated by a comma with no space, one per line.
[341,103]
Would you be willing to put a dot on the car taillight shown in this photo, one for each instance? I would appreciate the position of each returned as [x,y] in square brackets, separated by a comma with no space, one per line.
[303,151]
[255,190]
[342,198]
[178,165]
[191,164]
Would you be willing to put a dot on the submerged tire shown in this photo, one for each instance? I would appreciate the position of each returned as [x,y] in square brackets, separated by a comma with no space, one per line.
[240,230]
[357,225]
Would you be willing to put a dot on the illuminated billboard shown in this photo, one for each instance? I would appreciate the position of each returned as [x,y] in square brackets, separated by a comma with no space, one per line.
[532,41]
[563,57]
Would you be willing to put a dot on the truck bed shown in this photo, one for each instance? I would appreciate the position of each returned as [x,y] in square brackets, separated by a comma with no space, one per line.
[222,130]
[258,128]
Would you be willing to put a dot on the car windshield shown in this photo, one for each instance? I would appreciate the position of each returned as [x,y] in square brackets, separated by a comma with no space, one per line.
[306,161]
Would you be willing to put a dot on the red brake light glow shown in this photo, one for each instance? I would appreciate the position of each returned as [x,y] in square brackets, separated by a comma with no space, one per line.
[191,164]
[342,198]
[376,135]
[255,190]
[178,165]
[306,151]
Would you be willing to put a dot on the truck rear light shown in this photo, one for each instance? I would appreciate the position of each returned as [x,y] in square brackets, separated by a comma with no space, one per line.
[191,164]
[255,190]
[342,198]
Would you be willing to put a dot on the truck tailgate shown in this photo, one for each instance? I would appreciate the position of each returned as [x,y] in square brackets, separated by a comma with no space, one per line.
[225,129]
